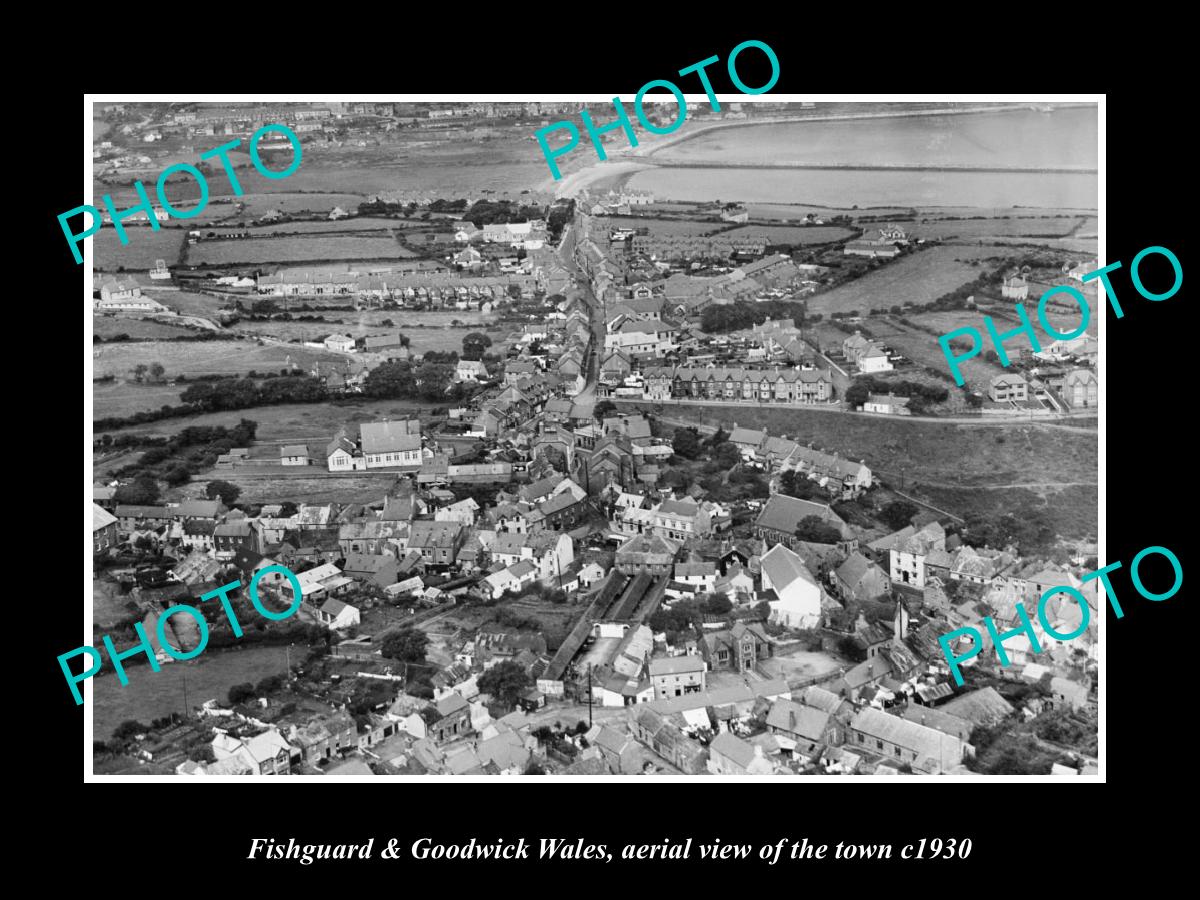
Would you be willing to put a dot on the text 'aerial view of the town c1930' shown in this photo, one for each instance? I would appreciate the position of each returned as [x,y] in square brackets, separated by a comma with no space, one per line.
[653,469]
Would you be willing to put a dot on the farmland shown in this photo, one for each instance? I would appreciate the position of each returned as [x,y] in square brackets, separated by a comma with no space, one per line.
[292,421]
[917,278]
[188,303]
[785,234]
[425,339]
[972,229]
[205,357]
[295,249]
[797,211]
[923,348]
[145,247]
[124,398]
[662,227]
[308,484]
[322,226]
[106,326]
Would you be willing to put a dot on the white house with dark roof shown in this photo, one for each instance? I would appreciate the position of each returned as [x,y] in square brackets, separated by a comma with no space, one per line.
[675,676]
[295,455]
[336,615]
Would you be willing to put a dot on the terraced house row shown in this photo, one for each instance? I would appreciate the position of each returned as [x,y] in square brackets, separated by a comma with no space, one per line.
[776,385]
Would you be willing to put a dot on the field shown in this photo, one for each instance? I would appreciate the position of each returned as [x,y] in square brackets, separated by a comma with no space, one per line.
[295,249]
[437,338]
[145,247]
[785,234]
[923,348]
[918,278]
[151,695]
[299,422]
[983,228]
[107,326]
[324,226]
[664,227]
[187,303]
[232,357]
[312,484]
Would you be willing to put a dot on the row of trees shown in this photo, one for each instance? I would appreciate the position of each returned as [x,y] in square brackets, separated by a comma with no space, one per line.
[745,313]
[402,381]
[921,394]
[242,393]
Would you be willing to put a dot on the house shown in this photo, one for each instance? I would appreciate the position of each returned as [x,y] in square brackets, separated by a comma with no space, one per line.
[797,602]
[660,735]
[1008,388]
[470,370]
[265,754]
[136,518]
[809,727]
[230,537]
[1081,388]
[317,584]
[728,754]
[336,615]
[1066,692]
[927,750]
[323,738]
[1014,287]
[675,676]
[735,649]
[448,718]
[887,404]
[437,542]
[984,707]
[379,569]
[104,530]
[646,553]
[860,579]
[907,551]
[618,750]
[295,455]
[340,343]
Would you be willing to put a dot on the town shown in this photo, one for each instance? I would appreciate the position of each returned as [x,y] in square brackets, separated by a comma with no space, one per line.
[578,480]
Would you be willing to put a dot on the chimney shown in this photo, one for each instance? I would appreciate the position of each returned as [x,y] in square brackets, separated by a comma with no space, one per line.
[758,751]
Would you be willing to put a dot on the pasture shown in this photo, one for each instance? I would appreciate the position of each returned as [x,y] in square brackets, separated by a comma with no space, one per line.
[295,249]
[787,234]
[917,278]
[974,229]
[232,357]
[145,247]
[107,326]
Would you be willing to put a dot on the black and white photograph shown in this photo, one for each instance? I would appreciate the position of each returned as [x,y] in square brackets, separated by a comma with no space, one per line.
[706,436]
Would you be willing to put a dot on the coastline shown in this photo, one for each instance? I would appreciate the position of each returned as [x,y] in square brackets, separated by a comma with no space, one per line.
[618,170]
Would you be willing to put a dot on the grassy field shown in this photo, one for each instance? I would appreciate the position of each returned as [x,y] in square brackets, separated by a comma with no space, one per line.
[188,303]
[668,227]
[785,234]
[311,485]
[918,278]
[109,325]
[985,228]
[296,249]
[151,695]
[259,203]
[145,247]
[294,421]
[923,348]
[205,357]
[1073,511]
[323,226]
[438,338]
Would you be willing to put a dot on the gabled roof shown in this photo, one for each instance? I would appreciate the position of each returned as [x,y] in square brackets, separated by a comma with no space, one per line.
[101,518]
[389,437]
[783,513]
[783,567]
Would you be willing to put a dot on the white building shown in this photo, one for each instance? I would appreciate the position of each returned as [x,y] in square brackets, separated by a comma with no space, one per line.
[798,596]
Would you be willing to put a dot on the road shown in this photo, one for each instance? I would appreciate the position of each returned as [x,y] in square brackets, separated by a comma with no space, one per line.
[838,409]
[566,254]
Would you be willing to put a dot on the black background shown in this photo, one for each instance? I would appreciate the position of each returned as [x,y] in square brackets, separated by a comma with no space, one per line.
[1021,833]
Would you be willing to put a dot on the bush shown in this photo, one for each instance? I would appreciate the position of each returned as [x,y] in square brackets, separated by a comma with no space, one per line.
[240,693]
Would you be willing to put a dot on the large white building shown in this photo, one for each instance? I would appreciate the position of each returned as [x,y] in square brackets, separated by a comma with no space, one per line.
[381,445]
[650,336]
[798,596]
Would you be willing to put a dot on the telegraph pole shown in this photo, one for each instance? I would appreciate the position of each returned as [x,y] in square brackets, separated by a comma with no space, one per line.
[185,700]
[589,696]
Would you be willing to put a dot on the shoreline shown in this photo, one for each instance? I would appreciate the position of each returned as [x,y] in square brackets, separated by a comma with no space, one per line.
[620,169]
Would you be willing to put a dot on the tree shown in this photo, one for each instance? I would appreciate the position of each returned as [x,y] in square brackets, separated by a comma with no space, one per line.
[405,644]
[817,530]
[287,509]
[858,392]
[851,648]
[228,493]
[506,681]
[718,604]
[177,475]
[269,685]
[139,372]
[143,491]
[157,371]
[686,443]
[898,514]
[128,729]
[474,345]
[727,455]
[240,693]
[604,409]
